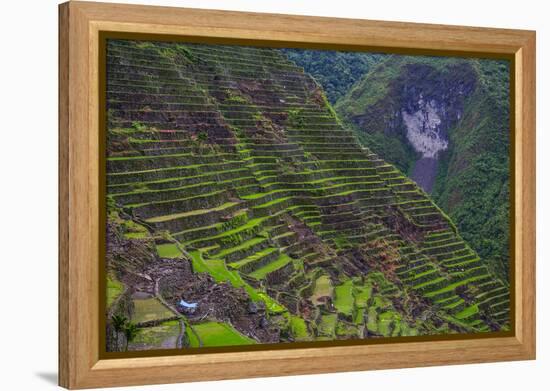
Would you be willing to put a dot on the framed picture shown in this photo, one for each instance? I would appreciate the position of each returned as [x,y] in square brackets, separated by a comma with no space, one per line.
[247,195]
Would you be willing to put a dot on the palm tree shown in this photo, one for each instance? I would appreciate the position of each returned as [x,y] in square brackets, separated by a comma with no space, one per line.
[130,331]
[119,323]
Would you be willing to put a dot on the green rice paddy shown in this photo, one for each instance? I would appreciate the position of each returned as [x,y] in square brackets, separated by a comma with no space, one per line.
[150,309]
[220,334]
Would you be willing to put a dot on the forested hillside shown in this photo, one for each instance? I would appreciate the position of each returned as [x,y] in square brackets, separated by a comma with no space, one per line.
[335,71]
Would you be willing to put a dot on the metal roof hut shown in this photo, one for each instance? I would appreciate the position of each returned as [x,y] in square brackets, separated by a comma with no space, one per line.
[186,307]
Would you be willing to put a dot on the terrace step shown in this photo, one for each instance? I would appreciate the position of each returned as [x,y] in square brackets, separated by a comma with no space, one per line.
[239,251]
[276,270]
[194,218]
[256,261]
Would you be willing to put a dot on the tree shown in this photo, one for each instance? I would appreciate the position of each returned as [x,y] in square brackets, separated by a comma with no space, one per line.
[202,136]
[130,331]
[119,323]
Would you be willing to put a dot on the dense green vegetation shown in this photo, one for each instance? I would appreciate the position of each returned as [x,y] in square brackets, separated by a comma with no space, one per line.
[114,289]
[242,208]
[335,71]
[220,334]
[474,178]
[472,182]
[168,250]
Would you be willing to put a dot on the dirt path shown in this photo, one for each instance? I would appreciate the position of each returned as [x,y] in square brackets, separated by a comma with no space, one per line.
[424,173]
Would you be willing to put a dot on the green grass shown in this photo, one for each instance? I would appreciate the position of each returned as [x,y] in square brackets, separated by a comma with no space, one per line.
[280,262]
[194,212]
[343,300]
[192,337]
[381,302]
[136,235]
[362,295]
[145,190]
[462,323]
[327,326]
[372,320]
[220,334]
[218,270]
[322,288]
[242,246]
[114,289]
[157,157]
[134,230]
[258,195]
[453,286]
[359,316]
[408,331]
[176,179]
[430,282]
[298,328]
[453,305]
[254,257]
[169,250]
[388,323]
[467,312]
[150,309]
[183,199]
[163,336]
[273,202]
[347,330]
[272,306]
[251,224]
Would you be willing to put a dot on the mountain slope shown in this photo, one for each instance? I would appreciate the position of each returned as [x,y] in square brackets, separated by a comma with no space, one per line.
[230,158]
[445,121]
[335,71]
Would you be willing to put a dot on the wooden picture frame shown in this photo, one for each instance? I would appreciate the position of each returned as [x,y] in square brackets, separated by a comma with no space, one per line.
[80,26]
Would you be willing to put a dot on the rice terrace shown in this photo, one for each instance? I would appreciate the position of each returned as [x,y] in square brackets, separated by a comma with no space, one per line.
[260,196]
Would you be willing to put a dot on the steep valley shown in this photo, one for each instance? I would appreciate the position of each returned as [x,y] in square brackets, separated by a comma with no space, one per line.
[242,211]
[444,122]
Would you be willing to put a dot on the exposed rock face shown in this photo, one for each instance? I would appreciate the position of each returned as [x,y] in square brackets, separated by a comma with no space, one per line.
[424,129]
[426,136]
[428,120]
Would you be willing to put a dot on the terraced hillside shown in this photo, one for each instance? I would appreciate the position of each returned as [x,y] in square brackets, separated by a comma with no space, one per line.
[231,184]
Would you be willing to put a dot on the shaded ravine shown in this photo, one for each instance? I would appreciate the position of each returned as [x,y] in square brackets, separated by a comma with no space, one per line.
[424,173]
